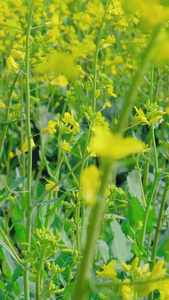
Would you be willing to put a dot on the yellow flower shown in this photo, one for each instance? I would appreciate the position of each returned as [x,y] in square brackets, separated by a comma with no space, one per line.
[141,116]
[127,291]
[118,60]
[110,91]
[66,146]
[69,117]
[97,94]
[51,127]
[61,80]
[80,70]
[50,184]
[113,146]
[106,104]
[17,54]
[11,64]
[25,145]
[90,184]
[108,271]
[2,105]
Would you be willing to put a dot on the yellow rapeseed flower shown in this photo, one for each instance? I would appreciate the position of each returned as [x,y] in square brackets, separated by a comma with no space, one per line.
[25,145]
[141,116]
[17,54]
[2,105]
[66,146]
[108,271]
[113,146]
[90,184]
[50,184]
[61,80]
[51,127]
[11,64]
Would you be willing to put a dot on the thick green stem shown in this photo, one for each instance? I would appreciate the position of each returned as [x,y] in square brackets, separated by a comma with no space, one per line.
[96,56]
[3,136]
[37,286]
[83,275]
[28,134]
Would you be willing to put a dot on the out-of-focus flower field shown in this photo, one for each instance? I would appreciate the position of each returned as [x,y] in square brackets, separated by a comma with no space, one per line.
[84,149]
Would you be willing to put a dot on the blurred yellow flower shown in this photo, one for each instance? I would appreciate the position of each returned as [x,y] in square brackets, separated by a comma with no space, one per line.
[2,105]
[25,145]
[108,271]
[66,146]
[106,104]
[51,127]
[50,184]
[97,94]
[61,80]
[141,116]
[90,184]
[17,54]
[126,290]
[113,146]
[11,64]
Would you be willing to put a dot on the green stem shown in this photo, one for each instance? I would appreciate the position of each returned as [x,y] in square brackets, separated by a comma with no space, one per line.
[28,133]
[37,286]
[96,56]
[123,119]
[3,136]
[148,207]
[154,148]
[159,224]
[10,246]
[81,288]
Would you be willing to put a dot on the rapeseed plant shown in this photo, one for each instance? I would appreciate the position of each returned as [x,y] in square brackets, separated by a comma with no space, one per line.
[84,94]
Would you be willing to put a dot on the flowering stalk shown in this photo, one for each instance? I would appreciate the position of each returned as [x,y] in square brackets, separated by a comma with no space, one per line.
[96,55]
[28,133]
[134,88]
[81,288]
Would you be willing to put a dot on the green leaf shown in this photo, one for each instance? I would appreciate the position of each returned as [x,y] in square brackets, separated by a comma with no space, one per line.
[15,183]
[137,213]
[134,185]
[121,245]
[5,246]
[20,233]
[2,285]
[18,272]
[103,249]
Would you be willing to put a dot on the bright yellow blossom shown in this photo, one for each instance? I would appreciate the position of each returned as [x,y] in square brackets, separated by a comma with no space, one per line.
[66,146]
[51,127]
[127,291]
[50,184]
[110,91]
[2,105]
[141,116]
[106,104]
[90,184]
[25,145]
[61,80]
[108,271]
[17,54]
[113,146]
[97,94]
[11,64]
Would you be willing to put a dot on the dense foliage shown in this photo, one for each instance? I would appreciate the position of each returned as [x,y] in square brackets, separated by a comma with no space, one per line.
[84,112]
